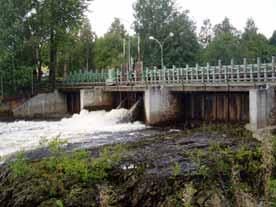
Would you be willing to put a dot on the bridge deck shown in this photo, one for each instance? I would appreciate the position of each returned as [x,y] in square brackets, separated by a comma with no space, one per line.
[240,87]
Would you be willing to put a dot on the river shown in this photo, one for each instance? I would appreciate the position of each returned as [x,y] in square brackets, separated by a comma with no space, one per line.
[87,129]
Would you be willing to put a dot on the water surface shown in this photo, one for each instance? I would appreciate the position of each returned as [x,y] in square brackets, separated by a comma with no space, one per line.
[87,128]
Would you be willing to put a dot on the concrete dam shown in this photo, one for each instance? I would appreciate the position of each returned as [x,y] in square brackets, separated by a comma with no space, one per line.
[230,94]
[161,105]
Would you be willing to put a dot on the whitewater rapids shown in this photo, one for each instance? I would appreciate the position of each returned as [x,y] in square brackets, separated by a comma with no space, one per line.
[98,127]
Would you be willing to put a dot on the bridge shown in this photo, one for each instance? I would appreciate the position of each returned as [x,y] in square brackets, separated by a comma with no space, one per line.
[222,93]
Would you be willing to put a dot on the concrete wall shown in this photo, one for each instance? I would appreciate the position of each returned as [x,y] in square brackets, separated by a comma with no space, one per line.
[43,105]
[160,106]
[262,101]
[95,99]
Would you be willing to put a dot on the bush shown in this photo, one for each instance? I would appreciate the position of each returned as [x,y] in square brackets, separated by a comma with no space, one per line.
[108,158]
[20,167]
[61,166]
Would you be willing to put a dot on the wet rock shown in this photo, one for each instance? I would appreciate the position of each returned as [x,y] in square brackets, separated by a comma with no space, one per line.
[144,177]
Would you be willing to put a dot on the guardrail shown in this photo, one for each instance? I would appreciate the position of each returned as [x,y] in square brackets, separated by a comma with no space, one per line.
[245,73]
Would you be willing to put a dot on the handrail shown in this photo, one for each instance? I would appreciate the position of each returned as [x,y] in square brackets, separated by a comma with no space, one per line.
[231,74]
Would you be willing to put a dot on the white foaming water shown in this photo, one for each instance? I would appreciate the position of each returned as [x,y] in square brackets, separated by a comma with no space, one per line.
[25,135]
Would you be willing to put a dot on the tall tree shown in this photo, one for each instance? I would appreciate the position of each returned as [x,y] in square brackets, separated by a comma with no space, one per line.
[15,55]
[60,18]
[109,49]
[183,47]
[272,40]
[225,27]
[206,33]
[87,38]
[225,45]
[253,43]
[250,27]
[158,18]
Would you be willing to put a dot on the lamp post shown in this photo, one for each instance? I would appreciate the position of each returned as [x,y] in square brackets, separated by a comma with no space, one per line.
[161,44]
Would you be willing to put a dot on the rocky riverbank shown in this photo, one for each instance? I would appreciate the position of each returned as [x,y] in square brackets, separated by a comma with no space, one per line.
[209,166]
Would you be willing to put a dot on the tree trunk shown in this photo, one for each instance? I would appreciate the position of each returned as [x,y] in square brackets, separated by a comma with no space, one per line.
[38,64]
[53,60]
[87,57]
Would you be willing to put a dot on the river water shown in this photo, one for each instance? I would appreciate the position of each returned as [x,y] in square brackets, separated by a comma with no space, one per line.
[87,129]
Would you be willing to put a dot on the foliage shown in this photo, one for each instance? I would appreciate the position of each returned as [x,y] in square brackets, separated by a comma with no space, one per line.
[56,36]
[229,43]
[176,169]
[230,170]
[224,47]
[272,40]
[206,34]
[109,49]
[158,18]
[20,167]
[31,30]
[108,158]
[61,166]
[272,192]
[59,203]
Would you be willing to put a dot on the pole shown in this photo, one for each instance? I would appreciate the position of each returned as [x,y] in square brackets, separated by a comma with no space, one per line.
[2,87]
[129,58]
[124,48]
[162,56]
[139,49]
[32,75]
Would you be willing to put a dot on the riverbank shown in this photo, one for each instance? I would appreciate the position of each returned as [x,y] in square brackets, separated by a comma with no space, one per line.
[209,166]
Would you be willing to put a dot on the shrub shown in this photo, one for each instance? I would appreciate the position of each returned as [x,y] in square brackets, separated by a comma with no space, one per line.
[20,167]
[108,158]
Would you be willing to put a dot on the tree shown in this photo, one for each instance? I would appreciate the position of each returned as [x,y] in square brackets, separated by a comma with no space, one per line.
[272,40]
[225,27]
[158,18]
[183,47]
[205,35]
[250,27]
[225,46]
[15,56]
[117,28]
[254,44]
[32,33]
[109,49]
[87,38]
[60,18]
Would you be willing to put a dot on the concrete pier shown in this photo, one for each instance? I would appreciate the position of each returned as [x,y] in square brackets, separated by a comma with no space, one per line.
[160,106]
[262,101]
[95,99]
[46,105]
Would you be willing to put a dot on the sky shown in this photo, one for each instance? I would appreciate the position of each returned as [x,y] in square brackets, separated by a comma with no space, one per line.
[102,13]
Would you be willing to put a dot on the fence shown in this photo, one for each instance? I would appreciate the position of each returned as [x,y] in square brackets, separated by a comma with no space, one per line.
[245,73]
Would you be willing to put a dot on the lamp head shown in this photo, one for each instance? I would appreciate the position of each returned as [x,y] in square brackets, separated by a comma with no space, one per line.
[171,34]
[151,38]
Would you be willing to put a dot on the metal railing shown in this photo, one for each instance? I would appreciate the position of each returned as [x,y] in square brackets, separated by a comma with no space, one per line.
[219,74]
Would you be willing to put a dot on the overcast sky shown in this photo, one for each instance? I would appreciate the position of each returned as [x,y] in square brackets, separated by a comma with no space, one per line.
[103,12]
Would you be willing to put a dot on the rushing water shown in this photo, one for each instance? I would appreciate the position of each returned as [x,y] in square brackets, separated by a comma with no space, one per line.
[87,128]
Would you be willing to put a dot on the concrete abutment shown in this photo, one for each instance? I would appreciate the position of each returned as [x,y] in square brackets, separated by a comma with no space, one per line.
[95,99]
[262,102]
[161,106]
[46,105]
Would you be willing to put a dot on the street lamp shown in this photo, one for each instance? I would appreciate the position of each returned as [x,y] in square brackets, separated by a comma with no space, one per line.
[161,44]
